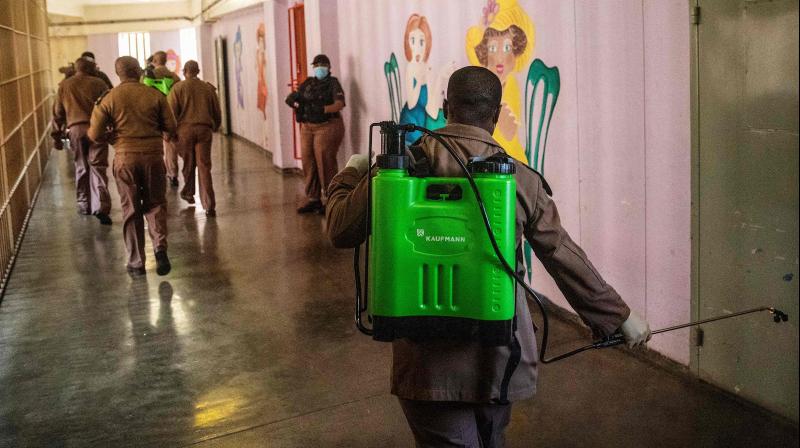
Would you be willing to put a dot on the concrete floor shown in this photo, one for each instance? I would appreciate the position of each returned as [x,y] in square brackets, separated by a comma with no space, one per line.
[249,342]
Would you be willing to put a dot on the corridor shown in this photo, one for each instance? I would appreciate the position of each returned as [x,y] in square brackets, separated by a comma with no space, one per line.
[249,342]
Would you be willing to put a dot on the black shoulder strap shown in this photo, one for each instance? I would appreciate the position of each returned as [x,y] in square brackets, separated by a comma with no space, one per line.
[514,356]
[420,165]
[100,98]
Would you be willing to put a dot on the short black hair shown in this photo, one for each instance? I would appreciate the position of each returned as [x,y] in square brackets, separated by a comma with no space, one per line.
[87,54]
[474,93]
[84,65]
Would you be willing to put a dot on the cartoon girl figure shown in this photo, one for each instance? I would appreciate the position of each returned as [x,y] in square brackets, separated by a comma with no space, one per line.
[504,43]
[173,61]
[261,61]
[237,61]
[423,105]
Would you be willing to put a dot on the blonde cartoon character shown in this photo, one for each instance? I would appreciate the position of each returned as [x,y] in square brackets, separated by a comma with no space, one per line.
[423,89]
[504,43]
[173,61]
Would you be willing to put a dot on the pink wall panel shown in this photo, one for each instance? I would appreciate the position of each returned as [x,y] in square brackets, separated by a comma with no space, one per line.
[668,208]
[612,147]
[106,50]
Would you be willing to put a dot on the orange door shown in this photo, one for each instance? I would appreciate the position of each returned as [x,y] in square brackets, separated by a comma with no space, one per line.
[297,62]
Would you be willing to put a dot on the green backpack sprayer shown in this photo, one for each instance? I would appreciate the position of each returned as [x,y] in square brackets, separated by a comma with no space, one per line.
[163,85]
[437,252]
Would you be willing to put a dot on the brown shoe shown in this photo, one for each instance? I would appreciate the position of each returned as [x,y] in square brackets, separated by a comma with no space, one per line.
[310,207]
[189,199]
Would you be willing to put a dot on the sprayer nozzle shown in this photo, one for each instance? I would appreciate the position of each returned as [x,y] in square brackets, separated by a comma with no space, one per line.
[779,316]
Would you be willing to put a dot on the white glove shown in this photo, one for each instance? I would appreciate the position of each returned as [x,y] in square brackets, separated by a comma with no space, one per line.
[360,162]
[636,330]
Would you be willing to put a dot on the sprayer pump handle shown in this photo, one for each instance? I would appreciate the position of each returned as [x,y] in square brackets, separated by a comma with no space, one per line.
[610,341]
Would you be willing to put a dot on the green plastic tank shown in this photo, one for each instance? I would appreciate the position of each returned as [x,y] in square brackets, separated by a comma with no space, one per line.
[432,270]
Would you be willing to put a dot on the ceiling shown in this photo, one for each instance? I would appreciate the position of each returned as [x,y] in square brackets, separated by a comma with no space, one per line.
[75,7]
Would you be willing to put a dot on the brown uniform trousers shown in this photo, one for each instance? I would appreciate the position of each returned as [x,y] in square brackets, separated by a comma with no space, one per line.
[171,159]
[72,110]
[196,108]
[142,184]
[468,372]
[319,146]
[171,152]
[140,117]
[91,163]
[451,424]
[194,143]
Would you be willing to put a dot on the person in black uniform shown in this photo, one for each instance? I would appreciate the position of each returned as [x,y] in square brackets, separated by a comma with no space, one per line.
[318,102]
[97,72]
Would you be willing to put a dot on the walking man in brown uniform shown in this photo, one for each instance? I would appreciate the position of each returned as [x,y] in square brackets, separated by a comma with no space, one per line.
[72,112]
[160,70]
[196,108]
[135,118]
[451,392]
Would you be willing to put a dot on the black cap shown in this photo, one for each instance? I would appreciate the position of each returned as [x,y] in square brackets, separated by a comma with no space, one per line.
[496,164]
[321,59]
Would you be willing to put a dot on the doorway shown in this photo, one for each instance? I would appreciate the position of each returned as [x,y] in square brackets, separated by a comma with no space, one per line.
[745,196]
[298,71]
[221,60]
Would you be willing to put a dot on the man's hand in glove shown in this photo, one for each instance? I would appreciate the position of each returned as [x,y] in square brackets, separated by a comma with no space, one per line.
[636,330]
[360,162]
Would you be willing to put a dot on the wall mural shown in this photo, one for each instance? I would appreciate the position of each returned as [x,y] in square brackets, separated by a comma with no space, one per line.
[173,61]
[424,88]
[503,42]
[261,62]
[237,61]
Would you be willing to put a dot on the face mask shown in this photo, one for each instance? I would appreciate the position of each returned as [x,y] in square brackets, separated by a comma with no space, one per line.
[321,72]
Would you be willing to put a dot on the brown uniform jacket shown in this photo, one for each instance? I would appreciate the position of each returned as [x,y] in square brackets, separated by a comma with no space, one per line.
[75,100]
[195,102]
[470,372]
[138,117]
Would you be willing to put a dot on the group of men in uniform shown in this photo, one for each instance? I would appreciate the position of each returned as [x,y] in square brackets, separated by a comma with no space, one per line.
[147,130]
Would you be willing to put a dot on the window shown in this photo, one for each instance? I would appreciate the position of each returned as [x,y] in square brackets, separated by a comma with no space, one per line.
[188,37]
[136,45]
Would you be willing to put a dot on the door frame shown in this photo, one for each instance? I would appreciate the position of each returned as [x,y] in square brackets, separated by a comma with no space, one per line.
[694,88]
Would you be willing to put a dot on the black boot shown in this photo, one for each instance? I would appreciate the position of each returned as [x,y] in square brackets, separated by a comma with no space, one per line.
[162,263]
[103,218]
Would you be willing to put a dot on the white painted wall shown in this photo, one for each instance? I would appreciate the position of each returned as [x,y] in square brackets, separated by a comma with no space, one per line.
[106,50]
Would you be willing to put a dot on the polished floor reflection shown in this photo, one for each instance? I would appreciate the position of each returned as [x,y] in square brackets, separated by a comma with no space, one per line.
[249,342]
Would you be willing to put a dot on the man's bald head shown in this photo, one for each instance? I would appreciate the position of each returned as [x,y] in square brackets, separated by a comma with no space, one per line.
[473,97]
[191,69]
[127,68]
[160,58]
[83,65]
